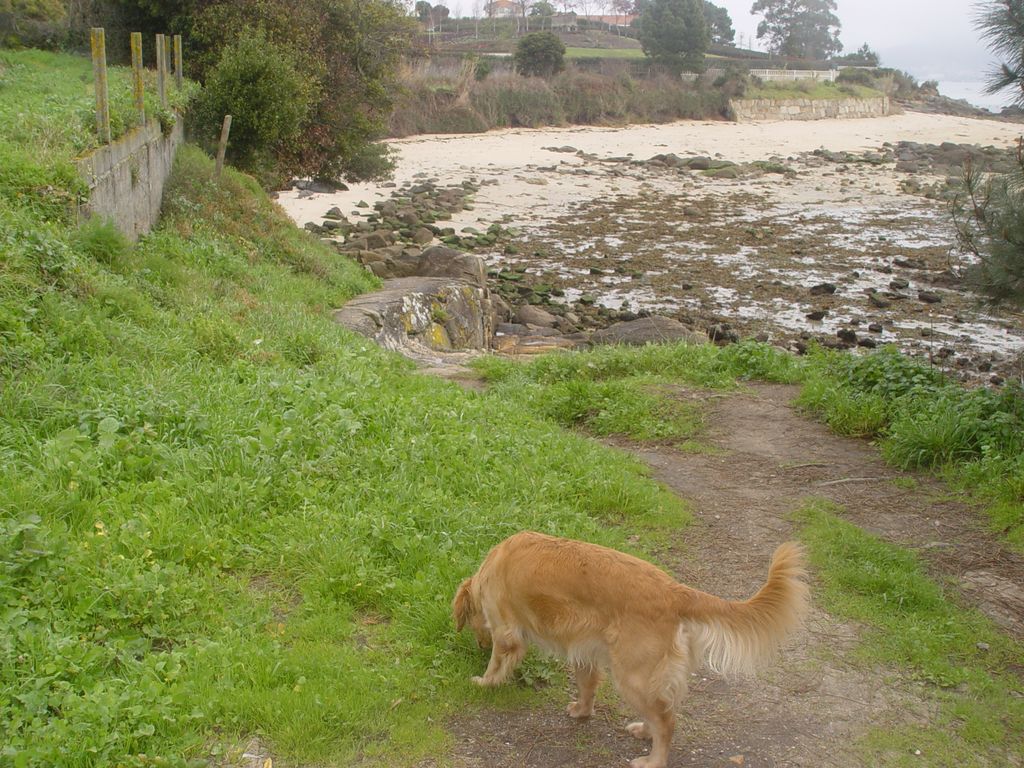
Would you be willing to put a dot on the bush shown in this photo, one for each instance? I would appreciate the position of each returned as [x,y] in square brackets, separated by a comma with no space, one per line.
[257,83]
[539,54]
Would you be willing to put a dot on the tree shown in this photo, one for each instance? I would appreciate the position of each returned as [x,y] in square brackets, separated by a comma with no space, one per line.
[259,85]
[989,213]
[438,15]
[674,33]
[719,24]
[1001,24]
[542,8]
[423,9]
[862,57]
[539,54]
[348,51]
[804,29]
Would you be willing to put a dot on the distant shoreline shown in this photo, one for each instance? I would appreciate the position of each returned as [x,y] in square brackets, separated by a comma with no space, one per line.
[973,92]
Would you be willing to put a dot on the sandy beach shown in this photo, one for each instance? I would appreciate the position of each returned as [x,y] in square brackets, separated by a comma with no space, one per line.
[750,251]
[508,155]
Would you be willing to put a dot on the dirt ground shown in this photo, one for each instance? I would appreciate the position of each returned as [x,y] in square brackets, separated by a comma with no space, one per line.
[811,707]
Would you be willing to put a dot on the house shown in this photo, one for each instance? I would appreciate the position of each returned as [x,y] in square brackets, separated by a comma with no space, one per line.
[563,22]
[505,9]
[616,20]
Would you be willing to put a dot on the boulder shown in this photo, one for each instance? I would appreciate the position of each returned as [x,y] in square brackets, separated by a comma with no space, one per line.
[531,315]
[647,330]
[439,261]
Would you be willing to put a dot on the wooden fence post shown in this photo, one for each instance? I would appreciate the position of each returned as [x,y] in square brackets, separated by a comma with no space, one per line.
[99,72]
[223,145]
[167,59]
[178,74]
[137,85]
[161,70]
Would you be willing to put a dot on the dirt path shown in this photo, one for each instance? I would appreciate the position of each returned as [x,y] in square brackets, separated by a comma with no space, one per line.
[812,706]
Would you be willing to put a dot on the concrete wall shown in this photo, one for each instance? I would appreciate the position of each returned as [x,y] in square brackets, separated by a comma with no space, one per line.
[126,178]
[808,109]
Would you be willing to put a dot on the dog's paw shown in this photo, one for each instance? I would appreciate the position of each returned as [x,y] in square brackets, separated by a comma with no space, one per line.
[645,762]
[638,730]
[578,711]
[484,681]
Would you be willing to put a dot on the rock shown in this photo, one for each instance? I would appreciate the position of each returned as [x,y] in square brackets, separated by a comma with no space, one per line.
[898,284]
[875,327]
[725,172]
[647,330]
[723,333]
[867,342]
[845,334]
[511,329]
[439,261]
[415,313]
[335,214]
[928,297]
[530,315]
[422,236]
[822,289]
[817,314]
[500,309]
[536,345]
[699,163]
[878,301]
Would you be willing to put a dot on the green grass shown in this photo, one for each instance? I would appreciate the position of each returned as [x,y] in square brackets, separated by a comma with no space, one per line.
[604,53]
[966,664]
[810,89]
[622,390]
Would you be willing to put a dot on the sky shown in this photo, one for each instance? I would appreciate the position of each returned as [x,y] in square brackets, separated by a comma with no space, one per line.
[931,39]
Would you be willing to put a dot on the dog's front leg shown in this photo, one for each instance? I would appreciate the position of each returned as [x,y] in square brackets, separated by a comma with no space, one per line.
[506,652]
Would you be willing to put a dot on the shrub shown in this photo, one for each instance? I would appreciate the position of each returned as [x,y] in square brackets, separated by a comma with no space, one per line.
[539,54]
[257,83]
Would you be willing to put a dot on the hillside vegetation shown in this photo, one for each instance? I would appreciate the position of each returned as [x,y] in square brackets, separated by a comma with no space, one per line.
[221,514]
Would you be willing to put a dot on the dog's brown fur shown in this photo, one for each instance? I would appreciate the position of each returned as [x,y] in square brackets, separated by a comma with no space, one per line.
[603,609]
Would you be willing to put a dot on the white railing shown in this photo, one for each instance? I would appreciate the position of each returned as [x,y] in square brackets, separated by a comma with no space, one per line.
[770,75]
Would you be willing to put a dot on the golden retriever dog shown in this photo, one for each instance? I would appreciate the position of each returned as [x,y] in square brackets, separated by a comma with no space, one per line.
[605,610]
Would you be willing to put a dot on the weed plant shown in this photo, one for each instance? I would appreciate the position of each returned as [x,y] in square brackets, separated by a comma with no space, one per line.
[966,665]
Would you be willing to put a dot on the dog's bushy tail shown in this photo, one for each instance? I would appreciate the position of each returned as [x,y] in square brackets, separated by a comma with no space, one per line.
[740,636]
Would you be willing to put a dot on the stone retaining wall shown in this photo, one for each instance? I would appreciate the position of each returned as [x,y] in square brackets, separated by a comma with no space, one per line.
[745,110]
[126,178]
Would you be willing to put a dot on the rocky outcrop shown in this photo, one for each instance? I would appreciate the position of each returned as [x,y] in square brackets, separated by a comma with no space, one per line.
[655,329]
[419,315]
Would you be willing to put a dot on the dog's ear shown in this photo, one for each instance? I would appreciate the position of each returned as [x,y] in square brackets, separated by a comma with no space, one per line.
[462,605]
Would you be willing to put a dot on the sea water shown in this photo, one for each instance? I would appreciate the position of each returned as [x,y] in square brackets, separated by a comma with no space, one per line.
[973,91]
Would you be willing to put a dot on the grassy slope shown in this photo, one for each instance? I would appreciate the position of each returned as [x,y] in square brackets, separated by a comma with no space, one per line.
[220,513]
[808,89]
[603,53]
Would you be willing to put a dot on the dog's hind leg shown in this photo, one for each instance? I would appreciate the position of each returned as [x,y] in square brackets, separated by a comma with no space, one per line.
[588,677]
[650,677]
[507,650]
